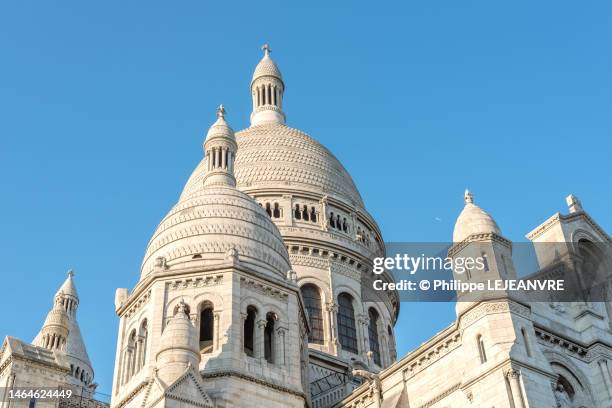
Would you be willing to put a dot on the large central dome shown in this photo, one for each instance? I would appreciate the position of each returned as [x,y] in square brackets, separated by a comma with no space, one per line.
[275,155]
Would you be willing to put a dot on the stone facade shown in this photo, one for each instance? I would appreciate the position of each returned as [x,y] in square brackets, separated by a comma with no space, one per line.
[506,352]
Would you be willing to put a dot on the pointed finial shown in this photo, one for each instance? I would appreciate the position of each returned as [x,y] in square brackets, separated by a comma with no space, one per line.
[70,273]
[266,49]
[221,111]
[468,196]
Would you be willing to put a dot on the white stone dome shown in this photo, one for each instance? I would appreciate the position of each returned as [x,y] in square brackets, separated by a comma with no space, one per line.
[273,155]
[473,220]
[205,225]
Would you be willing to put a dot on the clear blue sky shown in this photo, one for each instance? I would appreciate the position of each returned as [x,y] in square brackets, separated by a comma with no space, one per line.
[104,105]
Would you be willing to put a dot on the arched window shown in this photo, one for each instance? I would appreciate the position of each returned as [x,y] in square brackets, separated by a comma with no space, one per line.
[305,214]
[144,335]
[269,209]
[332,220]
[313,215]
[249,330]
[312,300]
[344,225]
[481,349]
[206,329]
[346,323]
[373,335]
[485,261]
[297,213]
[276,212]
[269,338]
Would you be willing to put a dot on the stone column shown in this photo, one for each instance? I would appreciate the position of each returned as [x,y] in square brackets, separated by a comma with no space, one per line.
[243,317]
[137,354]
[280,346]
[362,331]
[332,327]
[323,217]
[515,387]
[259,345]
[216,328]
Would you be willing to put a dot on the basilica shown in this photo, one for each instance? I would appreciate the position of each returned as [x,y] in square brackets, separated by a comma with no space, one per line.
[251,294]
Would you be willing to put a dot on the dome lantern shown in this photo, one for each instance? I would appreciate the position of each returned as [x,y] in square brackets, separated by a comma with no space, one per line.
[267,90]
[220,152]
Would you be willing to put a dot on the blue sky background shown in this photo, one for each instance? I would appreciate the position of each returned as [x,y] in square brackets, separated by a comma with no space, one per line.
[104,105]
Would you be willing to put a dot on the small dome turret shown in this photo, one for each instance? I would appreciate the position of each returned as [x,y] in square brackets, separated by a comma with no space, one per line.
[473,220]
[178,346]
[267,90]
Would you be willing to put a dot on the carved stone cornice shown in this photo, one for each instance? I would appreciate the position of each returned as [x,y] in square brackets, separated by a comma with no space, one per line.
[263,288]
[195,282]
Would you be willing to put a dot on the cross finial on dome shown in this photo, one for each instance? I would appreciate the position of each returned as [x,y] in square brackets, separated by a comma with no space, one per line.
[266,49]
[221,111]
[70,273]
[468,197]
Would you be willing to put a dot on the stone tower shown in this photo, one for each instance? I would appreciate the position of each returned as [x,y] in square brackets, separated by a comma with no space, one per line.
[216,318]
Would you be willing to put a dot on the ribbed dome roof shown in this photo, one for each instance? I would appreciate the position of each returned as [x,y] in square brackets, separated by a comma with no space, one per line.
[266,67]
[473,220]
[212,221]
[275,155]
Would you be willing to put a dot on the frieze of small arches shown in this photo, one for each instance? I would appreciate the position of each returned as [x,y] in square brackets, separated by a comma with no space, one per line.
[326,254]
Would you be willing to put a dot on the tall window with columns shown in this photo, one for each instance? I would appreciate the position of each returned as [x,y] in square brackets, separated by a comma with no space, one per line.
[347,330]
[312,300]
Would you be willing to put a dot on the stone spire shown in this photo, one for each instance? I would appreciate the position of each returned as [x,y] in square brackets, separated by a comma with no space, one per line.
[220,151]
[61,333]
[267,89]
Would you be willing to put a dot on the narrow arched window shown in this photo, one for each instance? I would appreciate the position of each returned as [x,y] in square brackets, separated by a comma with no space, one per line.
[269,338]
[332,220]
[526,341]
[481,350]
[269,209]
[346,323]
[249,330]
[144,336]
[297,213]
[485,262]
[305,214]
[344,225]
[312,301]
[206,329]
[373,335]
[276,212]
[313,215]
